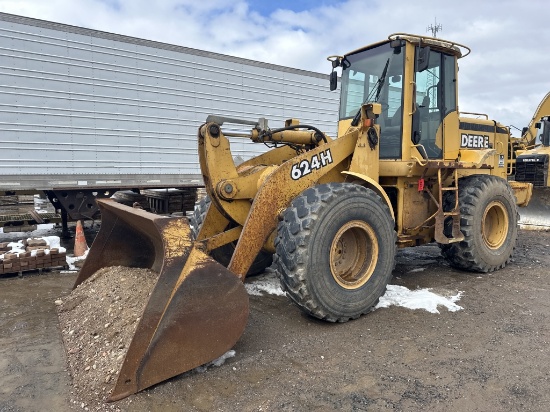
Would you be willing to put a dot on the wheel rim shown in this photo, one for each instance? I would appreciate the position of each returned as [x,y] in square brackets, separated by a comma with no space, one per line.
[495,225]
[353,254]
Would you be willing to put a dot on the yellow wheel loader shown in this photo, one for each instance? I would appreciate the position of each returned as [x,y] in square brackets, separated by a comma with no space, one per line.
[407,168]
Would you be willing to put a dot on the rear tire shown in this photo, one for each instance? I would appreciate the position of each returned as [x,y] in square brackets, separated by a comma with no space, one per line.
[224,253]
[488,221]
[335,250]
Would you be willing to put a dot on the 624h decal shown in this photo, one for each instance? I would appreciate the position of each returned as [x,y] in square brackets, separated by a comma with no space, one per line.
[305,167]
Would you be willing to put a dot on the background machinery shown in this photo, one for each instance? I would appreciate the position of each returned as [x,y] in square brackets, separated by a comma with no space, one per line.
[531,165]
[407,168]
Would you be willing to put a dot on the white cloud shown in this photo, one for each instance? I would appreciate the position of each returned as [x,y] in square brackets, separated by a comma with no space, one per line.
[505,76]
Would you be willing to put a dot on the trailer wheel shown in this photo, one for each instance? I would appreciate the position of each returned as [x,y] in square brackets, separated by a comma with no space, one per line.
[488,221]
[224,253]
[335,250]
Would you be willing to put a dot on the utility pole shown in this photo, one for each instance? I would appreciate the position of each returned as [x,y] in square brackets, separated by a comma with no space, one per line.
[435,28]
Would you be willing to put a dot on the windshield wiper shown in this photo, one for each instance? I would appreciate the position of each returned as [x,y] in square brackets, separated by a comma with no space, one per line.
[379,85]
[381,80]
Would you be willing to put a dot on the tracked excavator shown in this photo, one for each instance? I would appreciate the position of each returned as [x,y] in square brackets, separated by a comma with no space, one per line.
[532,165]
[406,168]
[531,134]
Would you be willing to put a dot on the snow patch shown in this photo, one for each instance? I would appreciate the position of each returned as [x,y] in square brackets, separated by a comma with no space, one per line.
[416,270]
[52,241]
[16,247]
[395,295]
[418,299]
[216,362]
[268,283]
[71,262]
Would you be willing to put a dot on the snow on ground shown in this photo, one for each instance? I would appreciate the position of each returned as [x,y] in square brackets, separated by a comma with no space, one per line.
[71,262]
[268,283]
[395,295]
[418,299]
[416,270]
[216,362]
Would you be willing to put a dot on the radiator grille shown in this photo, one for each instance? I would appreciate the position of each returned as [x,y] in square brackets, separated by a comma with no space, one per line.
[532,169]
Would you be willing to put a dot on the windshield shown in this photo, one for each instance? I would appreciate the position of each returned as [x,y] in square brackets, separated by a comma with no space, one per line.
[361,80]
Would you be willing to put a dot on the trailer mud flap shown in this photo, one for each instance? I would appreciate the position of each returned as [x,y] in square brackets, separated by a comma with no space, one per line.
[197,310]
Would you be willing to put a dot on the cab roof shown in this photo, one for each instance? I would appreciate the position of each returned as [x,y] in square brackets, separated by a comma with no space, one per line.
[456,49]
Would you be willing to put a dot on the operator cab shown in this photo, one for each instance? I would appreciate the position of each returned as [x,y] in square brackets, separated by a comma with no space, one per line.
[543,137]
[533,165]
[415,99]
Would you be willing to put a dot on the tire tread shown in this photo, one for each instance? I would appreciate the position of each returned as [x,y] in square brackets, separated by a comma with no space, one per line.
[293,235]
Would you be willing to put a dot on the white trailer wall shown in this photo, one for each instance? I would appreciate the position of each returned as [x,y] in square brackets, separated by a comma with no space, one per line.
[83,108]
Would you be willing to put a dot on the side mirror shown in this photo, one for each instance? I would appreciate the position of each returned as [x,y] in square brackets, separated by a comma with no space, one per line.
[333,80]
[396,45]
[423,59]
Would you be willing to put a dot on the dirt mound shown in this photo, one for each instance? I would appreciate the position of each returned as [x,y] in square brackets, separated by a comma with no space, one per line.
[98,320]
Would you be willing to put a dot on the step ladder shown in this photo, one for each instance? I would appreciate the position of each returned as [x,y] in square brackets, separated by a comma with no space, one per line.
[441,215]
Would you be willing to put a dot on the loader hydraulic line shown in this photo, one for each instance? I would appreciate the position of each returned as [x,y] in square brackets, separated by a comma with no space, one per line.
[317,137]
[259,219]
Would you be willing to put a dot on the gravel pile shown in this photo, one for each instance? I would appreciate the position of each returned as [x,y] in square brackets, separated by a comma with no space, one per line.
[98,320]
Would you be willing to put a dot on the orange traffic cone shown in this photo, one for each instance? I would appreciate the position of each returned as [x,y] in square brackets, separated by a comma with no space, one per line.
[80,245]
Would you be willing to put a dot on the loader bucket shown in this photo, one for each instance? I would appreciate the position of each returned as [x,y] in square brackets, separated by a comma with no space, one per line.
[536,215]
[197,310]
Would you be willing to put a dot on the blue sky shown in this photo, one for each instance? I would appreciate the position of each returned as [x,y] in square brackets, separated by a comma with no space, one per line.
[505,76]
[266,7]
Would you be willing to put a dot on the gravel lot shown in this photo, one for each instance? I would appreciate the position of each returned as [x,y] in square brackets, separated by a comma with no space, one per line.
[491,355]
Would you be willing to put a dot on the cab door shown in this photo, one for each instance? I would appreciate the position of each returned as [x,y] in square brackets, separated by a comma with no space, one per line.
[435,81]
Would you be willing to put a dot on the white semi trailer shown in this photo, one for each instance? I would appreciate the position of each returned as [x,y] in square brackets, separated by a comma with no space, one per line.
[85,113]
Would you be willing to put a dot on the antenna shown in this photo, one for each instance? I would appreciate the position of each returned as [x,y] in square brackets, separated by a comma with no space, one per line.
[435,28]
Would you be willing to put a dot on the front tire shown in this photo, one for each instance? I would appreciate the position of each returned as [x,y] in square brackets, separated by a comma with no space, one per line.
[335,250]
[489,219]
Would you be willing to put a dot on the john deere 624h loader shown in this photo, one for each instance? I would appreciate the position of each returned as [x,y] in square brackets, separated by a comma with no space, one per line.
[407,168]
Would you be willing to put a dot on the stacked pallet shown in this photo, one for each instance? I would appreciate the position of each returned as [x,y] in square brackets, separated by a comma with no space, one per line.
[130,198]
[168,201]
[16,204]
[32,254]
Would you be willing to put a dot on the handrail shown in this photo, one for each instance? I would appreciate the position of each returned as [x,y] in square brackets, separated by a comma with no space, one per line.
[433,40]
[475,114]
